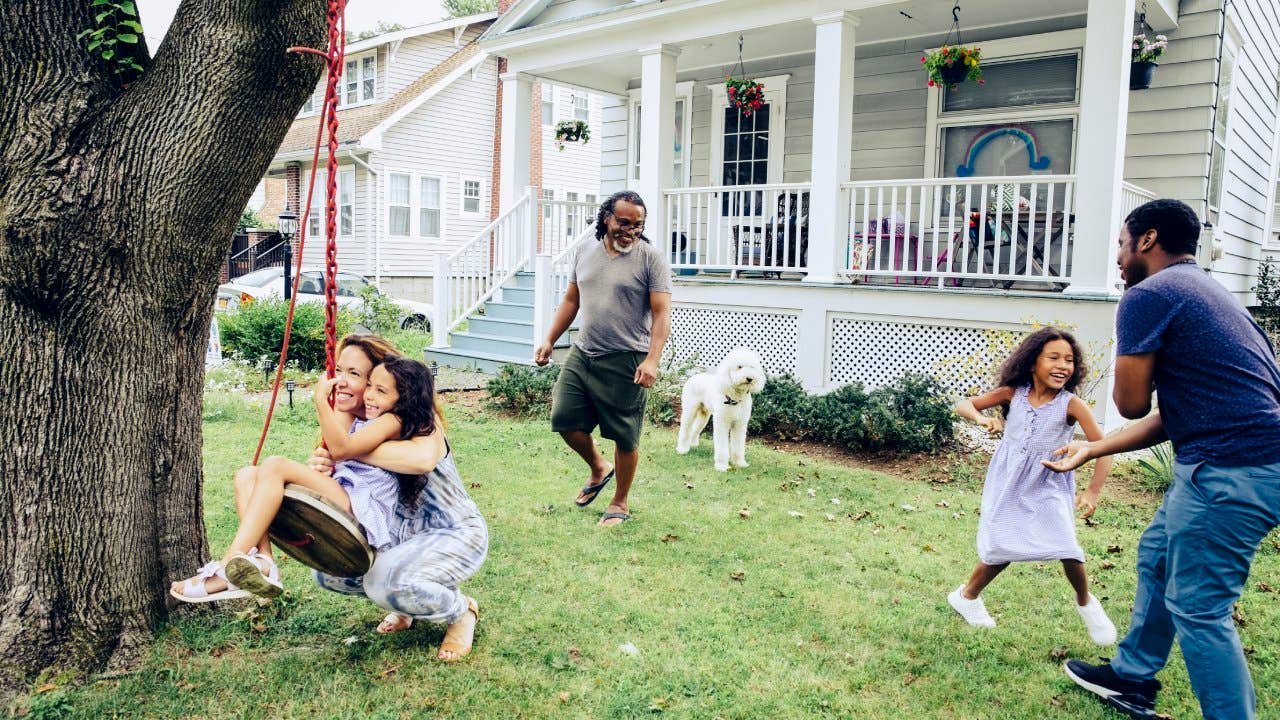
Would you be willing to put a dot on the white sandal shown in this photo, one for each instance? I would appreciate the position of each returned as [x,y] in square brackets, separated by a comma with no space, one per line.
[245,571]
[194,590]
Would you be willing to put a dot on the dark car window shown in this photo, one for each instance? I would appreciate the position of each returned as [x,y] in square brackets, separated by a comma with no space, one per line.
[350,285]
[311,283]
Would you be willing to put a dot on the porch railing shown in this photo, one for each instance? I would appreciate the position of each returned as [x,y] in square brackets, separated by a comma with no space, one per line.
[562,222]
[979,232]
[470,275]
[262,254]
[1131,196]
[738,228]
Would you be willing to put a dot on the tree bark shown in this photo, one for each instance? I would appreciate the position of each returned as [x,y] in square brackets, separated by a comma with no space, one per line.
[117,206]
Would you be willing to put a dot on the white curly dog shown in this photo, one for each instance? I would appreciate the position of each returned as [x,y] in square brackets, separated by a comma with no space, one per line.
[724,396]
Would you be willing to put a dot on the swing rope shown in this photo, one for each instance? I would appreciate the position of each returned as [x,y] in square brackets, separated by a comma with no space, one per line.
[334,56]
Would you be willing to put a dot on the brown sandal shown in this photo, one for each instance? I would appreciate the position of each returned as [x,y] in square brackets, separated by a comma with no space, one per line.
[457,648]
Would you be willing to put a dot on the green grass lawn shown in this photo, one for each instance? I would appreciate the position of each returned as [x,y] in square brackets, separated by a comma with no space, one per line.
[839,612]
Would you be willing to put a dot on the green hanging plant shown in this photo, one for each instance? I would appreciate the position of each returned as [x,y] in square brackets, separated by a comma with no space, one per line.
[116,37]
[572,131]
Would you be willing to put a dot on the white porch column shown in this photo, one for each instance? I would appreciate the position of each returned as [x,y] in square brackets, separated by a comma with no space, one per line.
[832,144]
[1104,114]
[517,101]
[657,135]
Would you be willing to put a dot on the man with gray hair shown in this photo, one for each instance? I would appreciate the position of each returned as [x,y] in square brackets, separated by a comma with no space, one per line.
[622,285]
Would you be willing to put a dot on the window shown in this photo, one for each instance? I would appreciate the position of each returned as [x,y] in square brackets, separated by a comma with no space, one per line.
[360,80]
[471,196]
[309,106]
[346,202]
[429,207]
[1023,121]
[680,169]
[346,205]
[747,149]
[548,104]
[581,108]
[398,204]
[547,196]
[350,285]
[574,214]
[1222,122]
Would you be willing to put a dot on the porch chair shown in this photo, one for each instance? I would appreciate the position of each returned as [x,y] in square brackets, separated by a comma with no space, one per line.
[782,238]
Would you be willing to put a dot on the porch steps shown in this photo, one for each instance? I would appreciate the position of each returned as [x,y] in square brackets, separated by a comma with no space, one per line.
[501,334]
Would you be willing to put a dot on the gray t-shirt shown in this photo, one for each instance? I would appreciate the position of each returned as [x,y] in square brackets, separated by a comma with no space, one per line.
[613,296]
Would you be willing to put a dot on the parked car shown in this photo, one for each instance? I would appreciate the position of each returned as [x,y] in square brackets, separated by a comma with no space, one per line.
[269,283]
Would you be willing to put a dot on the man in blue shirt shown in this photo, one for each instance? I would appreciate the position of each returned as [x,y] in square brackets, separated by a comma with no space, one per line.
[1180,331]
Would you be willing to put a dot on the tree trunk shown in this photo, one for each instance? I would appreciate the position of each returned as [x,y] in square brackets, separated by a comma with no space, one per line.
[117,206]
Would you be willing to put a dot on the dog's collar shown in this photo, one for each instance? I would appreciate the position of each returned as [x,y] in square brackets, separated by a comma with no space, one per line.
[729,401]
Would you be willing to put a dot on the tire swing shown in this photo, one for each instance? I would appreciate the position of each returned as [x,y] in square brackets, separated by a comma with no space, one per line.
[309,528]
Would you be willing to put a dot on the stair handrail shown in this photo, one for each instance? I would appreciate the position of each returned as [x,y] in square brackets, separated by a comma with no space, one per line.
[456,298]
[551,282]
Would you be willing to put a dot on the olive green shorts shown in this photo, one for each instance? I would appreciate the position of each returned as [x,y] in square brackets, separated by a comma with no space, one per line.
[600,391]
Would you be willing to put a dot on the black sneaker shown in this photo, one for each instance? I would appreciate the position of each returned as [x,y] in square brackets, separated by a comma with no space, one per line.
[1135,699]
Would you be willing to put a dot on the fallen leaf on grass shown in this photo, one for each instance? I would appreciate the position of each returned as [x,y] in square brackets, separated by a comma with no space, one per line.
[943,504]
[670,538]
[628,649]
[744,513]
[795,514]
[351,640]
[957,515]
[1089,521]
[739,575]
[46,688]
[908,679]
[835,501]
[657,705]
[909,508]
[1106,564]
[688,486]
[811,492]
[389,671]
[1266,588]
[1113,549]
[927,548]
[564,697]
[1057,701]
[1059,653]
[1238,616]
[830,517]
[475,485]
[216,652]
[574,654]
[860,516]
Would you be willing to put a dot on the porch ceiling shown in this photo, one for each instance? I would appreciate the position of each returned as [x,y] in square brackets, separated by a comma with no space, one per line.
[607,56]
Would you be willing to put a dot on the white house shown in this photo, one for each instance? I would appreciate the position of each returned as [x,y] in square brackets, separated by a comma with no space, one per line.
[416,160]
[896,221]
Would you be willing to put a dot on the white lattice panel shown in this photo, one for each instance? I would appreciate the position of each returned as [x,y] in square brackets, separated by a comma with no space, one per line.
[713,333]
[877,352]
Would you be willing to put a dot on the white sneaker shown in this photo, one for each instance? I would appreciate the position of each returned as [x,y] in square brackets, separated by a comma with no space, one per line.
[1101,630]
[973,611]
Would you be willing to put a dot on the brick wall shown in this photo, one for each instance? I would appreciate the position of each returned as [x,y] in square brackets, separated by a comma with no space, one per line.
[535,133]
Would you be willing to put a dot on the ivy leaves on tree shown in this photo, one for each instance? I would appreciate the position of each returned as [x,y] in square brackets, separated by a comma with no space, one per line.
[116,37]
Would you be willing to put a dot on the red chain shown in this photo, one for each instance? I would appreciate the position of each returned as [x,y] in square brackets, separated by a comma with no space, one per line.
[335,59]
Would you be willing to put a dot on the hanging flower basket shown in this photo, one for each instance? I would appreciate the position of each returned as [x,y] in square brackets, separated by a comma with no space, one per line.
[948,66]
[1145,54]
[744,94]
[572,131]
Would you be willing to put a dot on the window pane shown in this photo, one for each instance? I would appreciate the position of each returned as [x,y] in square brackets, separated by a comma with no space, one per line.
[730,148]
[369,74]
[400,189]
[762,145]
[1226,76]
[345,220]
[761,118]
[1024,148]
[1215,175]
[430,195]
[760,172]
[1040,81]
[581,109]
[745,143]
[429,223]
[731,115]
[346,181]
[399,220]
[471,205]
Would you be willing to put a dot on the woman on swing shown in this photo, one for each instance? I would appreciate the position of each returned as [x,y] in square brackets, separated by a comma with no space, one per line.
[434,544]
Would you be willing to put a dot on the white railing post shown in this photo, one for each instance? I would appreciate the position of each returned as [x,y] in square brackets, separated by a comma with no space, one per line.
[531,225]
[440,300]
[543,297]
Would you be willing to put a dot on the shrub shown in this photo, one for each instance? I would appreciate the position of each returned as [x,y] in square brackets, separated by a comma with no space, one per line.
[523,389]
[377,312]
[663,406]
[257,330]
[914,414]
[1157,472]
[782,409]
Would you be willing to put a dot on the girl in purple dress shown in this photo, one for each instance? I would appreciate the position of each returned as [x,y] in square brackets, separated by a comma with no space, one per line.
[1027,509]
[398,405]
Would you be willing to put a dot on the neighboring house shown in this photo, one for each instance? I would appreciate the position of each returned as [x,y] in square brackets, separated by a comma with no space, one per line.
[417,114]
[902,221]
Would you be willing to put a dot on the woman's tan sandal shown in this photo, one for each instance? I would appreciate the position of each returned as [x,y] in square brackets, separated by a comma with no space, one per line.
[458,649]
